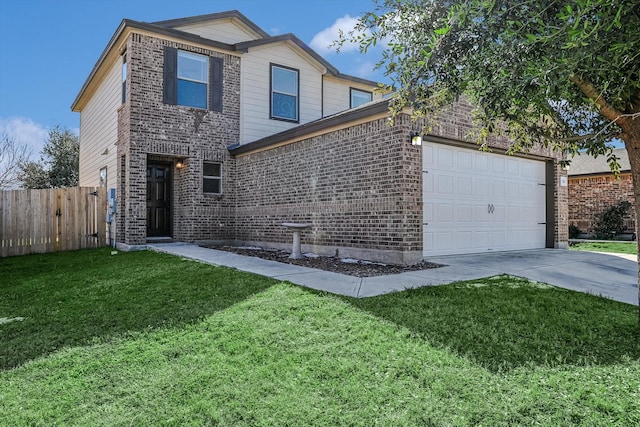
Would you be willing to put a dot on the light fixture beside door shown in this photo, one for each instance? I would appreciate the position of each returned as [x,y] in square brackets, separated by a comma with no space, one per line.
[416,138]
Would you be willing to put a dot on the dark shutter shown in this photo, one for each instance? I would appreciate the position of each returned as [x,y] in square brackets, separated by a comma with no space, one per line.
[215,84]
[170,92]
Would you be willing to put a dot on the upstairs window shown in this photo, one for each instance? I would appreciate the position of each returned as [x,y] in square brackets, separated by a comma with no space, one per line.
[284,93]
[212,178]
[359,97]
[192,79]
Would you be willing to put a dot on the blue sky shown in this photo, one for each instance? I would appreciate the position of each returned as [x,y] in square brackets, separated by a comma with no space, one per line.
[48,47]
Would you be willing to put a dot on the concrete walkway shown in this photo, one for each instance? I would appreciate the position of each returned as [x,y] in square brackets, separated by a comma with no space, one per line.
[608,275]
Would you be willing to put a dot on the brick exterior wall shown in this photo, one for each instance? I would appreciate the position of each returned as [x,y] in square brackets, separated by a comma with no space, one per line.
[590,195]
[149,130]
[360,187]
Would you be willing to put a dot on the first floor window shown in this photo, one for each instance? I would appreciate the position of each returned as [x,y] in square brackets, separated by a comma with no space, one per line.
[284,93]
[212,177]
[359,97]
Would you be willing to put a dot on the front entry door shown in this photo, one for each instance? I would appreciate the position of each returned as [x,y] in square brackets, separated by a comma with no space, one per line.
[158,200]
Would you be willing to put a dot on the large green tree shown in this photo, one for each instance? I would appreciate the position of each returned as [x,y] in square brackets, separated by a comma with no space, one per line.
[565,74]
[58,165]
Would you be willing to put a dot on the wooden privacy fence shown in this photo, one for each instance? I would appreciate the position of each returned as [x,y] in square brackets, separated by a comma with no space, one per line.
[57,219]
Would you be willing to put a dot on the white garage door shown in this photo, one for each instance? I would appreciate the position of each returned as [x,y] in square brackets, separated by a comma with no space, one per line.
[476,201]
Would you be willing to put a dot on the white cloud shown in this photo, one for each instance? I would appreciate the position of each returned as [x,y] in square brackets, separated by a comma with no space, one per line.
[25,131]
[365,69]
[322,41]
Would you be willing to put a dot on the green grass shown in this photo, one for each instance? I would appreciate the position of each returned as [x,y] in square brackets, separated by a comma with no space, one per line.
[149,339]
[614,247]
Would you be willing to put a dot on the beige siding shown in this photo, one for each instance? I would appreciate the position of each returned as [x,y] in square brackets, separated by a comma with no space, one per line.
[99,130]
[337,94]
[222,31]
[255,122]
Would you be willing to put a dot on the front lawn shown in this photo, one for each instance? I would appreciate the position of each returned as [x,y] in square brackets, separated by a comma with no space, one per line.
[613,247]
[150,339]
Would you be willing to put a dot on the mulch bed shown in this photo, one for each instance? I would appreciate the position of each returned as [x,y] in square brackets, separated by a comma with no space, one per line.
[351,267]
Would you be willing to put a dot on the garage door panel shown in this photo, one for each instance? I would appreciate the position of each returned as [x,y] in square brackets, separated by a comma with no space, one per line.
[481,187]
[465,186]
[444,241]
[445,212]
[512,167]
[482,162]
[512,214]
[445,184]
[499,165]
[481,214]
[427,212]
[498,189]
[513,190]
[480,240]
[444,158]
[465,213]
[465,161]
[498,214]
[498,239]
[427,241]
[476,201]
[513,237]
[464,240]
[427,183]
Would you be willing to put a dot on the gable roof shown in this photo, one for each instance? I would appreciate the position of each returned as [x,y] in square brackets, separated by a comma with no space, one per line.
[167,28]
[585,164]
[245,46]
[231,14]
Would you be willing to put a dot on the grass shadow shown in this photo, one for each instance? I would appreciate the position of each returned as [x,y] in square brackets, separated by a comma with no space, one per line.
[505,322]
[81,297]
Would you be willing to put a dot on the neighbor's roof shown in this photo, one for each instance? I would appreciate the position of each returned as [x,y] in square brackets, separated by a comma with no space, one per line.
[585,164]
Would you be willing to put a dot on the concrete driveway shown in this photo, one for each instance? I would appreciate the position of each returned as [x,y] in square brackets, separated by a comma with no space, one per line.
[608,275]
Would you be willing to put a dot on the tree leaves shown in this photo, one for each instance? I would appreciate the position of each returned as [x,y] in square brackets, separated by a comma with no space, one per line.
[515,61]
[59,162]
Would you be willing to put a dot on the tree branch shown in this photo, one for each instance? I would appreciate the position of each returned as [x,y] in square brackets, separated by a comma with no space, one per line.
[605,109]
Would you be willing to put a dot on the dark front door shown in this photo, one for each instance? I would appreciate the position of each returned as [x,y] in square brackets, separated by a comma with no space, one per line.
[158,200]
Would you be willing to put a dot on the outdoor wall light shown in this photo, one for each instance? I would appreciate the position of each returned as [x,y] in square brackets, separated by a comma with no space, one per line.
[180,164]
[416,139]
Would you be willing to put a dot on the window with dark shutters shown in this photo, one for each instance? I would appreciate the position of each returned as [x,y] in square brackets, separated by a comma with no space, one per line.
[184,91]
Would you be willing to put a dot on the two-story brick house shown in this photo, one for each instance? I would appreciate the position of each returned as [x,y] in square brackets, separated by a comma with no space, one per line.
[210,129]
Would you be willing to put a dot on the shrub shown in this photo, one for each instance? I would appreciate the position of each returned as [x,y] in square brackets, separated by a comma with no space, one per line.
[574,231]
[611,221]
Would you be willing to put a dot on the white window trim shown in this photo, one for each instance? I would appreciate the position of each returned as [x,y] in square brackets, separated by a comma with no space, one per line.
[296,95]
[354,89]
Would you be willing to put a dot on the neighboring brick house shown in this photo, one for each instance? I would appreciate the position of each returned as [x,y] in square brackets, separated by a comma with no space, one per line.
[594,188]
[212,130]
